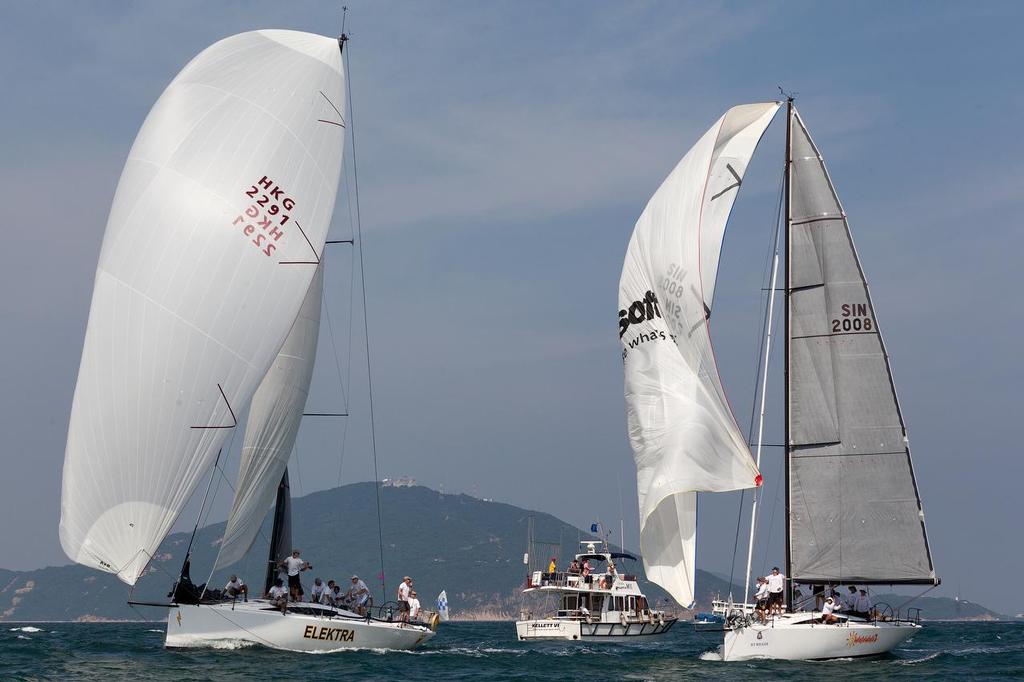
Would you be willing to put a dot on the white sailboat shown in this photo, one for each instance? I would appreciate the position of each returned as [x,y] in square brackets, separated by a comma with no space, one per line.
[843,427]
[207,297]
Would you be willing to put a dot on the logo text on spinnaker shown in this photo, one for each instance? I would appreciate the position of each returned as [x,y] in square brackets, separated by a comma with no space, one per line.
[639,311]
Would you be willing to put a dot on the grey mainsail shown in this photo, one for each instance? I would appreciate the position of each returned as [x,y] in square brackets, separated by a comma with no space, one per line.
[855,512]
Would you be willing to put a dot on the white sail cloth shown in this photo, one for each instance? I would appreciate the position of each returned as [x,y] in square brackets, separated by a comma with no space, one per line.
[231,179]
[273,424]
[681,428]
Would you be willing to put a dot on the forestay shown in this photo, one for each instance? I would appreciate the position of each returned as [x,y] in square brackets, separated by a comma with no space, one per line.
[273,424]
[855,511]
[213,238]
[681,428]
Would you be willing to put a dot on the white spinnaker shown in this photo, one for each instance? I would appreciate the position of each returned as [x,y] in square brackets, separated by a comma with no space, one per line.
[273,423]
[201,275]
[682,430]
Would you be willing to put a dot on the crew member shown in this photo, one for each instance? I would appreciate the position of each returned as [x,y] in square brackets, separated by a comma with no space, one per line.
[414,605]
[404,588]
[278,595]
[294,566]
[776,586]
[317,592]
[236,587]
[358,594]
[761,599]
[826,611]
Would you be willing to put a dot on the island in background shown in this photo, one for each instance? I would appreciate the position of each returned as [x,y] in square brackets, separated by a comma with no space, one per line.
[471,548]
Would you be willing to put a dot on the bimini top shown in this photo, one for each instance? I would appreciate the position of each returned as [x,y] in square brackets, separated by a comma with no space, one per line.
[604,556]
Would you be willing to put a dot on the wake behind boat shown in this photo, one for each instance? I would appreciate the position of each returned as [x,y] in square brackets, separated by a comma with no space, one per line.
[853,510]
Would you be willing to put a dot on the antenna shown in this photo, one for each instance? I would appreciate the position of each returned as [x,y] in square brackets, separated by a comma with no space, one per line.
[790,96]
[343,38]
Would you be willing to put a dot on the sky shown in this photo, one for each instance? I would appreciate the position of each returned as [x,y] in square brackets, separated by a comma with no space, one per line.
[505,151]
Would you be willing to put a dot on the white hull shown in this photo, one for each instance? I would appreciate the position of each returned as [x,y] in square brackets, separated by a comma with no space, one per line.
[555,629]
[212,625]
[791,638]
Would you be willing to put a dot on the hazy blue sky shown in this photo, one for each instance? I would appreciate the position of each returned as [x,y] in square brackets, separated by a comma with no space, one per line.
[505,151]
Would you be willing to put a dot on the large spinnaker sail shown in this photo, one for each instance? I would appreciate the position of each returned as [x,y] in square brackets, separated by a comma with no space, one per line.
[213,238]
[856,515]
[273,424]
[681,428]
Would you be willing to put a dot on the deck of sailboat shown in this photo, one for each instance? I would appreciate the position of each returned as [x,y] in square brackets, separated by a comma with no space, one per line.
[303,627]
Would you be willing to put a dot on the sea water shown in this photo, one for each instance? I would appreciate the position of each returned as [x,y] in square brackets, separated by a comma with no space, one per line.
[488,651]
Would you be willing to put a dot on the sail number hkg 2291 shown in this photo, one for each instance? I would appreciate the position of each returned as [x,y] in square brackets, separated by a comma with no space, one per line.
[264,219]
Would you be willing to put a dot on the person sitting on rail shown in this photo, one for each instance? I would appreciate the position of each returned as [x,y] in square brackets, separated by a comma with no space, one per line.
[236,587]
[278,595]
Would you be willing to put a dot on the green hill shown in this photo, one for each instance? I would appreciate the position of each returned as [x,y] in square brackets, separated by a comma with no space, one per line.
[470,547]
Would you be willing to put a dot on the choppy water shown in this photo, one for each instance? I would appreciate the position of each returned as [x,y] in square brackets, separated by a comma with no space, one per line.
[479,651]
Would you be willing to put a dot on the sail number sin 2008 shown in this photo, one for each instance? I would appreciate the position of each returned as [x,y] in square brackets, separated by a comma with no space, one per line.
[853,318]
[264,219]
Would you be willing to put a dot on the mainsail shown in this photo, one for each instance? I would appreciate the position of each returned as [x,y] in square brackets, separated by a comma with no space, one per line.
[855,513]
[214,235]
[684,436]
[273,424]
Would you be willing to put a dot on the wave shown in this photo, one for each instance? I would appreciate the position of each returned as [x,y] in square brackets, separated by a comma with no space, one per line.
[27,628]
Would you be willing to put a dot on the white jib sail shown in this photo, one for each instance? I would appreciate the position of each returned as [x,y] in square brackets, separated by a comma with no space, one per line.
[212,241]
[684,436]
[273,424]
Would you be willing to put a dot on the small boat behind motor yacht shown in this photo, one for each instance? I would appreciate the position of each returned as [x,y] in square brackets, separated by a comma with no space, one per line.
[602,604]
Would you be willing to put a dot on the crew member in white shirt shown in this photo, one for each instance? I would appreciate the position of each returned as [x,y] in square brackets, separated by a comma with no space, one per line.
[317,592]
[404,588]
[776,586]
[414,605]
[761,599]
[826,611]
[862,607]
[236,587]
[278,595]
[294,566]
[358,594]
[850,600]
[334,596]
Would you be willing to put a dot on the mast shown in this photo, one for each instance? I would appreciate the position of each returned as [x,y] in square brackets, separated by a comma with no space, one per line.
[789,272]
[764,390]
[281,531]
